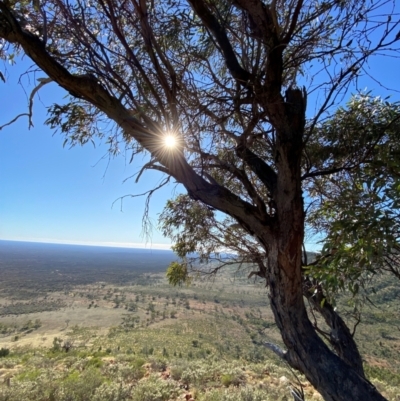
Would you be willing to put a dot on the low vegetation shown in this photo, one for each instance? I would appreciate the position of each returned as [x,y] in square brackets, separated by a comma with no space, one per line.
[153,342]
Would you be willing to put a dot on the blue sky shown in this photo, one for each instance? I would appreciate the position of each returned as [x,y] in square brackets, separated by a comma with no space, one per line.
[53,194]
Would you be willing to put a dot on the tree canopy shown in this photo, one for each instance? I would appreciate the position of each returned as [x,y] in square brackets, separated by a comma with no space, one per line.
[230,81]
[358,208]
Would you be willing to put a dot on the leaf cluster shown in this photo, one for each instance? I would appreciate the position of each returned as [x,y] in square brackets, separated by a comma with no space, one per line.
[357,209]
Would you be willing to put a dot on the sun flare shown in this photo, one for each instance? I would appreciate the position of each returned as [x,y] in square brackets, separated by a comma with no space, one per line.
[170,141]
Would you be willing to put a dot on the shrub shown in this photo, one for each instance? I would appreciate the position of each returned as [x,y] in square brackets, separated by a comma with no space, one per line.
[226,380]
[4,352]
[95,362]
[158,364]
[233,376]
[245,394]
[154,389]
[137,369]
[80,387]
[29,375]
[56,344]
[176,372]
[112,392]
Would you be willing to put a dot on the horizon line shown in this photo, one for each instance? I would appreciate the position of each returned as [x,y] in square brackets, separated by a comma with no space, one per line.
[108,244]
[126,245]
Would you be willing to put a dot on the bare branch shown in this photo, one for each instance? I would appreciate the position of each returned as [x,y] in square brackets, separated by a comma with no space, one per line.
[276,350]
[14,119]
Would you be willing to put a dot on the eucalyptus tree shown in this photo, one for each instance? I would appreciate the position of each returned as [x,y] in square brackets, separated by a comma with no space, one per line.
[228,80]
[355,205]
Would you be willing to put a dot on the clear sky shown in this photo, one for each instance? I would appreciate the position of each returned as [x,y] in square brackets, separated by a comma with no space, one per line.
[53,194]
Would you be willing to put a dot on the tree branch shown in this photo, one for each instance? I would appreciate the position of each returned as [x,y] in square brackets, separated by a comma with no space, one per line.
[276,350]
[293,23]
[261,169]
[212,24]
[340,337]
[14,119]
[90,89]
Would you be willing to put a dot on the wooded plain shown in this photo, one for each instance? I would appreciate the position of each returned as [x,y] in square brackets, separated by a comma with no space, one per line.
[133,336]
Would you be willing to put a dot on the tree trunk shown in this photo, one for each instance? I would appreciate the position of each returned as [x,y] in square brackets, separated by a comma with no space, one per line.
[340,337]
[327,372]
[330,375]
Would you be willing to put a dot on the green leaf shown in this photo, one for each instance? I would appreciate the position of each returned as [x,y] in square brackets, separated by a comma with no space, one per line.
[177,273]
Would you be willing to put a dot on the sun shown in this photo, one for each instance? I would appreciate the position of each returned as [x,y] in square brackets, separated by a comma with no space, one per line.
[170,141]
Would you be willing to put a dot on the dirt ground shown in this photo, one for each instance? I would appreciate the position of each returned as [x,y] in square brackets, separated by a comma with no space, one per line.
[54,324]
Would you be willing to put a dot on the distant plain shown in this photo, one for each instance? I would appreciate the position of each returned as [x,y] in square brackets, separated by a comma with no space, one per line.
[116,299]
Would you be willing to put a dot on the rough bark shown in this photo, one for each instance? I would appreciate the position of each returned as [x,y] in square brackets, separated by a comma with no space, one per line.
[340,336]
[332,376]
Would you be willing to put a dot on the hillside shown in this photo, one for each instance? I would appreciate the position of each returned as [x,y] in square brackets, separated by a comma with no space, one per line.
[144,340]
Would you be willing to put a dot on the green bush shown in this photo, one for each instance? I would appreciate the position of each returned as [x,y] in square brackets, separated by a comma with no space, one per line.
[29,375]
[95,362]
[233,376]
[154,389]
[157,364]
[4,352]
[137,369]
[176,372]
[383,374]
[80,387]
[57,344]
[226,380]
[112,392]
